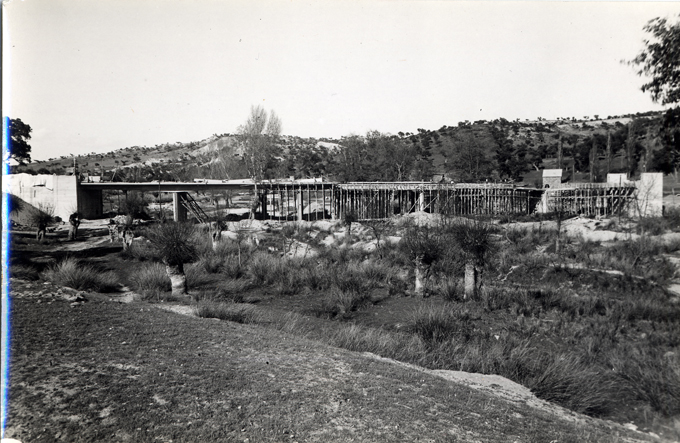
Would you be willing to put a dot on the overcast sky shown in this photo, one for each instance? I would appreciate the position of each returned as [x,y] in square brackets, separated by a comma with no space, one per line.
[97,75]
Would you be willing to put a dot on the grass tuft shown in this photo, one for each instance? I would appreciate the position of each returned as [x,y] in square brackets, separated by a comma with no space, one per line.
[341,302]
[577,385]
[74,274]
[151,280]
[236,312]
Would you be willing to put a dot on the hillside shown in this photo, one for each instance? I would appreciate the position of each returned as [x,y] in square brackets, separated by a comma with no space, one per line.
[498,150]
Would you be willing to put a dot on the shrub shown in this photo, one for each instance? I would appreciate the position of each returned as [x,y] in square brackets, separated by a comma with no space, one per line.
[198,277]
[474,240]
[291,282]
[231,268]
[74,274]
[231,290]
[14,203]
[422,243]
[404,347]
[264,269]
[173,242]
[141,251]
[672,216]
[134,205]
[43,215]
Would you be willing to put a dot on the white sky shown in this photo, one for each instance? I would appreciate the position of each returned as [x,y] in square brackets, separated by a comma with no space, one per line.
[97,75]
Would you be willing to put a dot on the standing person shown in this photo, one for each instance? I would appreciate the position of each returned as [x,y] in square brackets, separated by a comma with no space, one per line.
[42,229]
[74,221]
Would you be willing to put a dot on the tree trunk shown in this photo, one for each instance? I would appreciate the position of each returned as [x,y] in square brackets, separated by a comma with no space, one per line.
[178,279]
[128,235]
[559,230]
[419,289]
[471,284]
[215,234]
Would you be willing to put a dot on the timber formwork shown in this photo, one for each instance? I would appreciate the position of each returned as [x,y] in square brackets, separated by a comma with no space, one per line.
[296,201]
[383,200]
[312,201]
[591,199]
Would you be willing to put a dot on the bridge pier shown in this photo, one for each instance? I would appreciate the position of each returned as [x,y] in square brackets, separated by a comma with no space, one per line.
[178,210]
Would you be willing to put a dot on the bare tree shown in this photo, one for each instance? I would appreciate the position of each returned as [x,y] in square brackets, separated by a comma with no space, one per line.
[259,135]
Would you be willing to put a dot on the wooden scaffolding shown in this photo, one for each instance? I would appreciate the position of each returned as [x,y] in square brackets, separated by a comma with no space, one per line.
[383,200]
[315,201]
[591,199]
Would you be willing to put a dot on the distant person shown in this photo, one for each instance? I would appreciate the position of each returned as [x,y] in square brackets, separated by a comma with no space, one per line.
[113,230]
[42,229]
[74,221]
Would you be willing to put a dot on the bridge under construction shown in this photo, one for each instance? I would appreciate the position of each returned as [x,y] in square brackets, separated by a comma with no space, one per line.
[314,199]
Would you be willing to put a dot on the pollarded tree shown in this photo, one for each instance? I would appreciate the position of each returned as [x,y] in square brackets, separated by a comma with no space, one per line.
[424,246]
[474,239]
[174,245]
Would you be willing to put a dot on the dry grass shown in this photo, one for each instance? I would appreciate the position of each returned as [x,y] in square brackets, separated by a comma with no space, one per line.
[236,312]
[151,280]
[120,373]
[77,275]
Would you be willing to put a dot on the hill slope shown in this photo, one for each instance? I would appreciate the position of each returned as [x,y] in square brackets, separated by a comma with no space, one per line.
[469,151]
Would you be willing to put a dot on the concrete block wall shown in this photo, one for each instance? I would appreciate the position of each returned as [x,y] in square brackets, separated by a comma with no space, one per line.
[57,191]
[649,195]
[61,192]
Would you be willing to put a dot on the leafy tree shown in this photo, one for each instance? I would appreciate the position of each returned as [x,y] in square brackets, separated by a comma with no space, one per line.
[19,149]
[667,159]
[390,157]
[660,61]
[351,160]
[471,163]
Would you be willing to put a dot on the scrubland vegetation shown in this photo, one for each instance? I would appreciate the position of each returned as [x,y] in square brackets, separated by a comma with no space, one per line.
[591,328]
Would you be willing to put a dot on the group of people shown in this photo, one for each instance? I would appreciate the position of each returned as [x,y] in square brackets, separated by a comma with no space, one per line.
[73,220]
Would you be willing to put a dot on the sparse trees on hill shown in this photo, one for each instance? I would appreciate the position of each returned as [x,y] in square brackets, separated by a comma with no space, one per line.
[375,157]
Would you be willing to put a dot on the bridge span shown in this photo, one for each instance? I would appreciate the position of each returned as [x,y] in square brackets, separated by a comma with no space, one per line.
[311,199]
